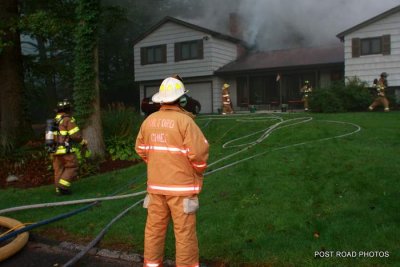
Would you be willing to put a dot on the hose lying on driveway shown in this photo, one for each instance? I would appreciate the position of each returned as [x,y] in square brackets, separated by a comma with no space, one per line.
[15,245]
[99,236]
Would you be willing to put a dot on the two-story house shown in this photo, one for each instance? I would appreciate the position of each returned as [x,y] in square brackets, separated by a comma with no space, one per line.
[373,47]
[173,46]
[206,59]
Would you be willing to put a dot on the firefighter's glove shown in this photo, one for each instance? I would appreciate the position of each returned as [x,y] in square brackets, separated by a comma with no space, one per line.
[84,142]
[190,205]
[146,201]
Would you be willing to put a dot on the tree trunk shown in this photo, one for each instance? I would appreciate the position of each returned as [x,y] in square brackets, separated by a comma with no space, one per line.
[93,131]
[49,92]
[11,80]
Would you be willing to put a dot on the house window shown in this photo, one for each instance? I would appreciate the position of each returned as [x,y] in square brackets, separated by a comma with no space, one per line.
[153,54]
[371,46]
[189,50]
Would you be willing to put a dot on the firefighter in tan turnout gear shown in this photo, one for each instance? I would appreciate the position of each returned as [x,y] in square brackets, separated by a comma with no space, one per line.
[65,163]
[226,100]
[380,99]
[176,152]
[306,90]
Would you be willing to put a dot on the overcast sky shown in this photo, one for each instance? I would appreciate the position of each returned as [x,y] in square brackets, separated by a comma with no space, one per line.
[279,24]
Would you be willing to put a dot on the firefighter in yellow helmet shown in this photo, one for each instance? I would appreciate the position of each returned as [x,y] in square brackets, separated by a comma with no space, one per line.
[175,151]
[65,163]
[380,99]
[306,90]
[226,100]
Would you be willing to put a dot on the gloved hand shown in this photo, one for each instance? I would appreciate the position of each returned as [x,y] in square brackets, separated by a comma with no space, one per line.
[84,142]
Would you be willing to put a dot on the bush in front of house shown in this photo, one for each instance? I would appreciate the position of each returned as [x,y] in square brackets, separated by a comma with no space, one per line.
[325,100]
[120,127]
[342,97]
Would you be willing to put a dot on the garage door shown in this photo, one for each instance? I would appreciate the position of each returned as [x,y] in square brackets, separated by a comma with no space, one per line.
[150,90]
[202,93]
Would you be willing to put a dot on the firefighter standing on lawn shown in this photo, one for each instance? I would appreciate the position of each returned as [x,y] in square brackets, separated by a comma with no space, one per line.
[226,100]
[380,99]
[306,90]
[175,151]
[65,163]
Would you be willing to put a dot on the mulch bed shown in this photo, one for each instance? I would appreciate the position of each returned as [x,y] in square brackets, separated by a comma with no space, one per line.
[35,170]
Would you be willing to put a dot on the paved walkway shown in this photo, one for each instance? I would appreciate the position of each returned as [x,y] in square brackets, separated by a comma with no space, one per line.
[40,252]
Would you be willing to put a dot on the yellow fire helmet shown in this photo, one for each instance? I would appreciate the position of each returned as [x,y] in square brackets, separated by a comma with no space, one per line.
[170,90]
[64,104]
[225,86]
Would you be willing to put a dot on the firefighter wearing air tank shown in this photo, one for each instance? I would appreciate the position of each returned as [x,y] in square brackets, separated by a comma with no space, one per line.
[380,87]
[65,133]
[306,90]
[176,152]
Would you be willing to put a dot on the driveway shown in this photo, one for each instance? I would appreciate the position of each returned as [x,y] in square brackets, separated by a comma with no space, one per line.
[41,252]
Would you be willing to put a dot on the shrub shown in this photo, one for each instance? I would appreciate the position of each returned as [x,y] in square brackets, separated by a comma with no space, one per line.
[325,101]
[355,95]
[341,97]
[120,126]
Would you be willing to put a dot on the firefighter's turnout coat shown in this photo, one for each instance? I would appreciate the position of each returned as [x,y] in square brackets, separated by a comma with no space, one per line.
[176,152]
[65,163]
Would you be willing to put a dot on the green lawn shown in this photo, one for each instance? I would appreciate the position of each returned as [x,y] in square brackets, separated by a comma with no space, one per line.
[266,208]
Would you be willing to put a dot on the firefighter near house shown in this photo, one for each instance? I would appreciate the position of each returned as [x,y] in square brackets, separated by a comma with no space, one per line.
[380,87]
[62,135]
[226,100]
[175,151]
[306,91]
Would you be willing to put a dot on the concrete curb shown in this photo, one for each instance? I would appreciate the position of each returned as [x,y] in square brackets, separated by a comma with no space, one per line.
[111,254]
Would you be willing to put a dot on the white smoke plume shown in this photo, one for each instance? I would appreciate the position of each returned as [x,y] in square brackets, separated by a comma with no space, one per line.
[279,24]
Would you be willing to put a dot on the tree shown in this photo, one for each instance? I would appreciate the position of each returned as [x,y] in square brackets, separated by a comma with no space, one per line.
[12,123]
[86,80]
[47,40]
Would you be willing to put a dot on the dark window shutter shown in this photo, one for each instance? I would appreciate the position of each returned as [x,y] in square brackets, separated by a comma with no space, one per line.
[143,56]
[355,47]
[386,44]
[177,52]
[200,52]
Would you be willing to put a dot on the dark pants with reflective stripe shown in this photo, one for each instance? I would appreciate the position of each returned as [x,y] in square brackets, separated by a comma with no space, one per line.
[65,169]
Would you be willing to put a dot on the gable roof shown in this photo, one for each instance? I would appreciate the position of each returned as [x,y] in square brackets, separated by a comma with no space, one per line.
[291,58]
[191,26]
[368,22]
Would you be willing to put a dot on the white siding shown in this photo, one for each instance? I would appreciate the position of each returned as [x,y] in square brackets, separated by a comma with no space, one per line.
[367,68]
[216,54]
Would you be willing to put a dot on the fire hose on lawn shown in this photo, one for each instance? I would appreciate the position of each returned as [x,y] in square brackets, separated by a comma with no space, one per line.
[264,134]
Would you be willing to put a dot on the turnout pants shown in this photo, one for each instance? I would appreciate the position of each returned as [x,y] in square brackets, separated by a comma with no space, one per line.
[381,100]
[305,102]
[159,210]
[226,108]
[65,170]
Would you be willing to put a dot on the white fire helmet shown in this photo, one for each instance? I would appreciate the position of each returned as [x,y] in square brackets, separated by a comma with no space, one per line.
[170,90]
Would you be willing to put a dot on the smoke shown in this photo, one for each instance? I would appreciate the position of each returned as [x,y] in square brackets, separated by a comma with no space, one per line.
[279,24]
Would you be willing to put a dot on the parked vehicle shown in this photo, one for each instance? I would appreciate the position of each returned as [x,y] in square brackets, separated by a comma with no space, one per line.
[148,106]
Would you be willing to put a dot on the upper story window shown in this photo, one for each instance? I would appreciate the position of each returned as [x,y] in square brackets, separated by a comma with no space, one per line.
[189,50]
[370,46]
[153,54]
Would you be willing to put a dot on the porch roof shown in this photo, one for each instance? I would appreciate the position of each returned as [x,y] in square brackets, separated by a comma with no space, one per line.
[283,59]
